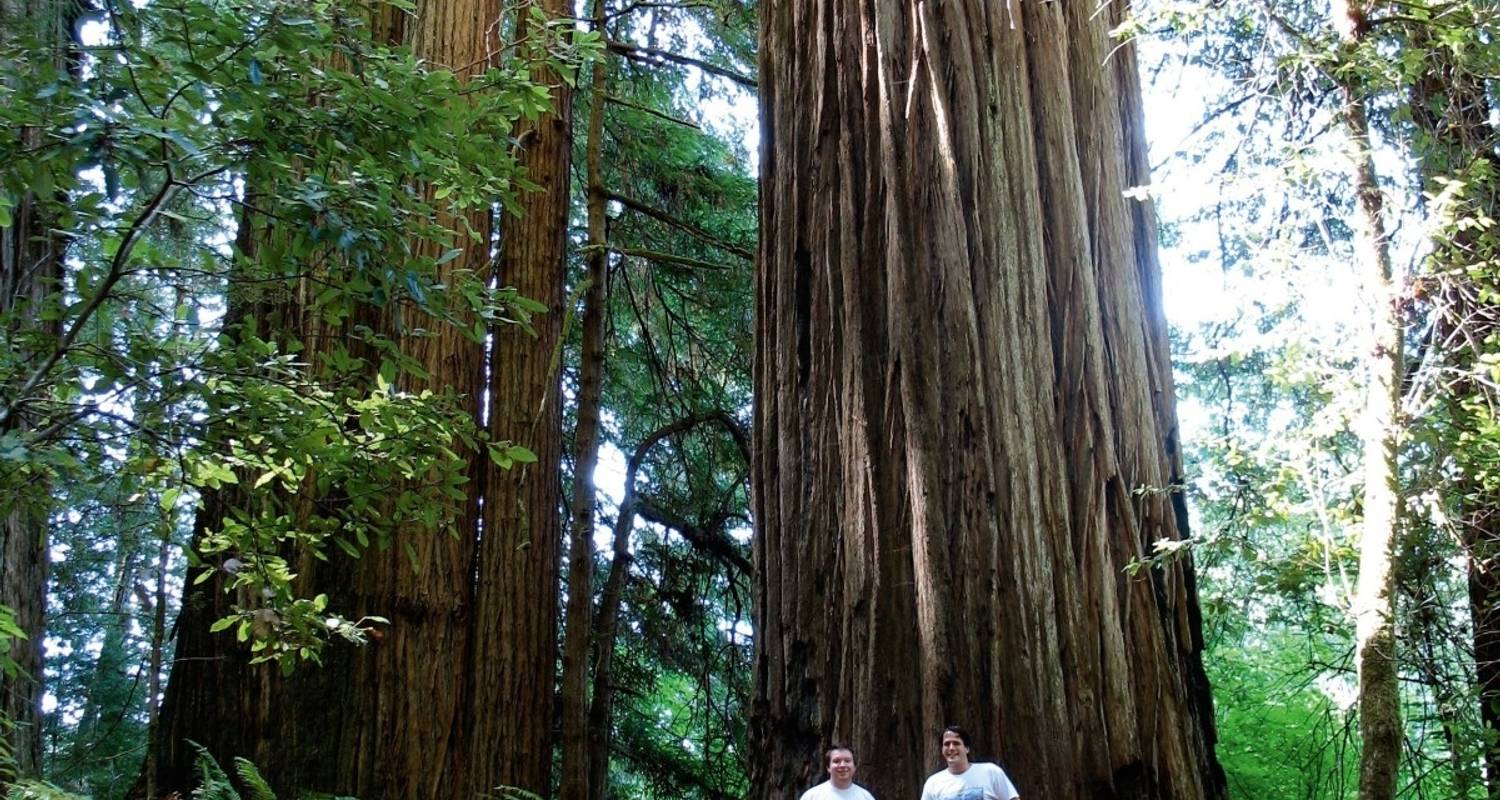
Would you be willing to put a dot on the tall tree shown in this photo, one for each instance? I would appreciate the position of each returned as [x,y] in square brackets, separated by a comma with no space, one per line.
[1455,148]
[661,337]
[964,419]
[453,697]
[575,780]
[1374,603]
[36,34]
[515,614]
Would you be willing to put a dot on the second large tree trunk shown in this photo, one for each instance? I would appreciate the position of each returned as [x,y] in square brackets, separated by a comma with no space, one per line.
[964,420]
[515,624]
[31,270]
[455,699]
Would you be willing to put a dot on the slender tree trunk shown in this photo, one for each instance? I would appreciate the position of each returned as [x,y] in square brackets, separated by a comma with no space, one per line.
[158,646]
[112,653]
[577,757]
[1481,537]
[1430,629]
[31,269]
[964,419]
[1374,602]
[601,707]
[513,667]
[607,622]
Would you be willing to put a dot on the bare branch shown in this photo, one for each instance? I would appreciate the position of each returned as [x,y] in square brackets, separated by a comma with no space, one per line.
[620,101]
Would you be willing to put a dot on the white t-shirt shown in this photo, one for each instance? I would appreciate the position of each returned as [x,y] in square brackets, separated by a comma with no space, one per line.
[827,791]
[981,781]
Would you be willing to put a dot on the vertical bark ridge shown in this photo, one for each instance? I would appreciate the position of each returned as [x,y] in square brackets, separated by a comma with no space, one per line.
[31,272]
[512,663]
[457,692]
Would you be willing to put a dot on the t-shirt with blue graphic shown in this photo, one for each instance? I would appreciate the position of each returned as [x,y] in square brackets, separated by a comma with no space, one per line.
[981,781]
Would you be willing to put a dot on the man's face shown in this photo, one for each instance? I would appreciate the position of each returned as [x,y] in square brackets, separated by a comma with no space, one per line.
[955,752]
[841,768]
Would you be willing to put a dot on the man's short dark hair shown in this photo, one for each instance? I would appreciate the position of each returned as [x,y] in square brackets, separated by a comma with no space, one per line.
[836,748]
[962,735]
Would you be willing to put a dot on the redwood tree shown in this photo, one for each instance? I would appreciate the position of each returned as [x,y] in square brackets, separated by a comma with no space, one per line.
[31,268]
[965,430]
[453,697]
[515,622]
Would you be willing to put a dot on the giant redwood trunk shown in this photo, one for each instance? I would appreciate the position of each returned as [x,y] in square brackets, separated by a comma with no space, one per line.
[454,699]
[964,415]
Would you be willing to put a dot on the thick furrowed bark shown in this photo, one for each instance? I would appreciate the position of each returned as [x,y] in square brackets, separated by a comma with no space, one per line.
[31,270]
[962,434]
[515,634]
[456,696]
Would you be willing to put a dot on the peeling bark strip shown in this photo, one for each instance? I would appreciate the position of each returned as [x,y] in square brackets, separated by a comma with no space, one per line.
[964,411]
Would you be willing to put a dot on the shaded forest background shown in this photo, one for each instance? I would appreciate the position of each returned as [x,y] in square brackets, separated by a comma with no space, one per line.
[288,285]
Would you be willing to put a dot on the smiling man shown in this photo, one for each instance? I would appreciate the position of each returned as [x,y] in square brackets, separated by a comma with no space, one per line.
[964,779]
[840,784]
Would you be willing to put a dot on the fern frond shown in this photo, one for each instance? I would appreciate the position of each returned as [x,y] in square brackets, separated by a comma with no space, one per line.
[253,781]
[213,784]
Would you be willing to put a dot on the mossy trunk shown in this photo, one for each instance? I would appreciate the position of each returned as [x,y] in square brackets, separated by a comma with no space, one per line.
[1375,597]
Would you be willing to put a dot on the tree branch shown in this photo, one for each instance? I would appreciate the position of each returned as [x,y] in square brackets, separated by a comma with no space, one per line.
[683,225]
[655,57]
[133,236]
[713,543]
[668,258]
[620,101]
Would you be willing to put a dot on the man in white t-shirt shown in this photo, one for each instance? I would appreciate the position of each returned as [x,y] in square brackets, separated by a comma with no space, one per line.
[840,784]
[964,779]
